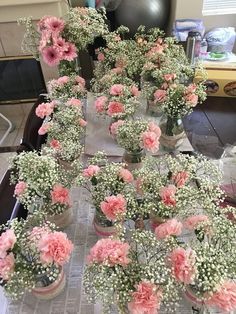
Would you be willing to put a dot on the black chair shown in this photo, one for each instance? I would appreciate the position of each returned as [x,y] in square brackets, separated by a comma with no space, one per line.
[9,207]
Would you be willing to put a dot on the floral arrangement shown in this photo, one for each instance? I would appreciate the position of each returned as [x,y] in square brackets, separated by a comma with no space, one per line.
[65,131]
[178,186]
[206,265]
[119,102]
[67,87]
[136,135]
[40,184]
[131,274]
[58,39]
[111,187]
[32,253]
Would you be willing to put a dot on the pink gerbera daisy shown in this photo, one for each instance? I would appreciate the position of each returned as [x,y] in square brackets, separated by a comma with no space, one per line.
[70,52]
[51,56]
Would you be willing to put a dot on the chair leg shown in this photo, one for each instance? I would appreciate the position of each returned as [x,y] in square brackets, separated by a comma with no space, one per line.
[10,128]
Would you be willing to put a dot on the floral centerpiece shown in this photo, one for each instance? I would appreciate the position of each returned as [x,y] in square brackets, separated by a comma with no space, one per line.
[112,193]
[32,254]
[118,102]
[41,185]
[206,266]
[67,87]
[131,274]
[65,132]
[59,40]
[135,136]
[178,186]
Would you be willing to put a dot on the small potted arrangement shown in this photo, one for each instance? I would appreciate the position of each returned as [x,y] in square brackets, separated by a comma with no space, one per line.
[178,186]
[206,266]
[131,275]
[118,102]
[112,193]
[136,136]
[65,132]
[59,40]
[41,185]
[32,256]
[67,87]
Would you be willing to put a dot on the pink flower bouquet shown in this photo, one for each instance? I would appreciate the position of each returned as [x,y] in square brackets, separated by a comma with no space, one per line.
[29,248]
[136,135]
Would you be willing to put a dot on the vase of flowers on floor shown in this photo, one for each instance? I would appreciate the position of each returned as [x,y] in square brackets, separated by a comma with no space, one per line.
[137,137]
[32,257]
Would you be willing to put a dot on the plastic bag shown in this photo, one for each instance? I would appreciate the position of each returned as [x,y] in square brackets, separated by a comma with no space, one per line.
[221,39]
[183,26]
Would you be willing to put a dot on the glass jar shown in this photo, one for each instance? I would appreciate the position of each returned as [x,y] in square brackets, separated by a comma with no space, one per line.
[133,160]
[172,132]
[103,227]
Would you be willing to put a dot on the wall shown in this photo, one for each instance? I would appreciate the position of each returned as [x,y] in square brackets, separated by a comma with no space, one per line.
[193,9]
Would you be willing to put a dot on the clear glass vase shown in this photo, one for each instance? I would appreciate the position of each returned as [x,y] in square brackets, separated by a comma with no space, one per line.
[133,160]
[197,305]
[103,227]
[172,132]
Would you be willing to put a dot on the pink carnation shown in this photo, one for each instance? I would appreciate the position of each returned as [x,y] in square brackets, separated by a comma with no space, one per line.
[54,24]
[135,91]
[7,266]
[116,89]
[167,195]
[70,52]
[44,128]
[169,77]
[158,49]
[153,127]
[20,188]
[146,299]
[171,227]
[51,56]
[224,298]
[74,102]
[44,109]
[55,144]
[55,247]
[126,175]
[80,80]
[160,95]
[182,262]
[110,252]
[180,178]
[113,206]
[192,222]
[101,57]
[115,107]
[191,89]
[91,171]
[100,103]
[7,242]
[82,122]
[114,127]
[63,80]
[60,195]
[150,141]
[191,99]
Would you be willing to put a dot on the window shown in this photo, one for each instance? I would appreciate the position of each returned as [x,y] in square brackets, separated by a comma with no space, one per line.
[213,7]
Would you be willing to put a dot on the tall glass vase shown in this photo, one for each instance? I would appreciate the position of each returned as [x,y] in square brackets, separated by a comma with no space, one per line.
[172,132]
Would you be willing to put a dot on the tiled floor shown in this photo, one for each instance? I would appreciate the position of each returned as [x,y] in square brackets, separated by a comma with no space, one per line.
[17,114]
